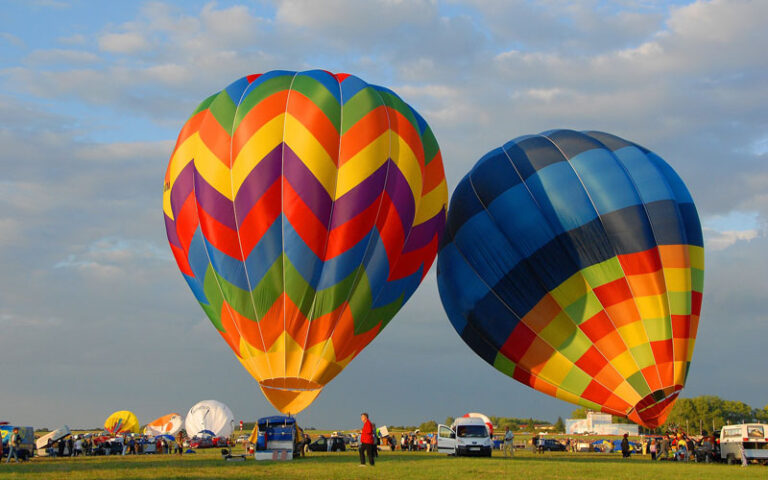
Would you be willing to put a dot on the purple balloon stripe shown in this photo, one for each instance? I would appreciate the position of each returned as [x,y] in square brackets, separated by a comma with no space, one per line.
[423,233]
[359,198]
[182,187]
[170,230]
[307,186]
[400,193]
[214,203]
[258,181]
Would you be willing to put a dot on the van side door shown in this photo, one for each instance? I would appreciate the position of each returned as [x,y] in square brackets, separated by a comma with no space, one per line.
[446,440]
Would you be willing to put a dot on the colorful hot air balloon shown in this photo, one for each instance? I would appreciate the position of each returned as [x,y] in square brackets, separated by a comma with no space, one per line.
[573,262]
[120,422]
[166,425]
[303,209]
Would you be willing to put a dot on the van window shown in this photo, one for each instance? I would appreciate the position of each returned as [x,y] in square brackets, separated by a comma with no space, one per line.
[476,431]
[732,432]
[755,431]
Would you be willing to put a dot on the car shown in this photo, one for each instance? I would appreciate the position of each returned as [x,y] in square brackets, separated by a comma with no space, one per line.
[551,445]
[242,439]
[220,441]
[328,444]
[201,442]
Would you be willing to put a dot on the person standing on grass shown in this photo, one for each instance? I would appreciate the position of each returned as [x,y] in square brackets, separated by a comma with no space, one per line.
[367,442]
[13,445]
[664,448]
[78,449]
[509,439]
[180,443]
[625,446]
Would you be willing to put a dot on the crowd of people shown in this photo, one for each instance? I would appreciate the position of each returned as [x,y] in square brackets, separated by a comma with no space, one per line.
[90,445]
[681,447]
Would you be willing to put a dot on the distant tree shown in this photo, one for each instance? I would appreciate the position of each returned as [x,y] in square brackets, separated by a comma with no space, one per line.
[762,415]
[560,425]
[580,412]
[449,421]
[430,426]
[709,411]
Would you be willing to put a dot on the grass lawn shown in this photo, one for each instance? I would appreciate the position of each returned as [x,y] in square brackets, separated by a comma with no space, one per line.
[209,465]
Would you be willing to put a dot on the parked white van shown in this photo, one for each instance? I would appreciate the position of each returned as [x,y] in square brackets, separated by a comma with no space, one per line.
[752,437]
[467,436]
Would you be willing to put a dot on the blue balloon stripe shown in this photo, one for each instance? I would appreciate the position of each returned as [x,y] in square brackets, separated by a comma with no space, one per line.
[196,285]
[649,181]
[197,256]
[327,80]
[236,89]
[350,87]
[605,180]
[561,197]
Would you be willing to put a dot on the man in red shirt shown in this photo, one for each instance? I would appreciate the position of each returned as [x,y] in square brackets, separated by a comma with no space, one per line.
[367,442]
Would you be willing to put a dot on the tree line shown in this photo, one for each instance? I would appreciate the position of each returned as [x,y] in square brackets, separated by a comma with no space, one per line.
[705,412]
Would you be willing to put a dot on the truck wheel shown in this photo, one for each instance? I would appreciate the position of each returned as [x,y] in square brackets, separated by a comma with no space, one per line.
[730,459]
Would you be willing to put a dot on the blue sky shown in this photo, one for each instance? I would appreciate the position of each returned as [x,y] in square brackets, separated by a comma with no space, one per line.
[93,312]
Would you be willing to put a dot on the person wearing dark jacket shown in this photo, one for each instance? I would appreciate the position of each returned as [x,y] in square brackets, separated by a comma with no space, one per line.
[625,446]
[367,442]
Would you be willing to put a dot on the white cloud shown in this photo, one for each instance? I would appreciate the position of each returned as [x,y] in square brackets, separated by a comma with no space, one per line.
[129,42]
[354,18]
[14,320]
[62,57]
[11,232]
[715,240]
[12,39]
[74,39]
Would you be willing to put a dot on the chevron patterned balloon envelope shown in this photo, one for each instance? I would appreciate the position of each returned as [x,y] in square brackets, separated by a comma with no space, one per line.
[574,263]
[303,210]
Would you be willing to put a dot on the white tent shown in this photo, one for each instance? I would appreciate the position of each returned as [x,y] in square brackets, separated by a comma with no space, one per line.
[54,436]
[210,416]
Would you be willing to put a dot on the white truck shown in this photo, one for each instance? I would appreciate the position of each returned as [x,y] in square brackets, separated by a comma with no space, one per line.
[466,436]
[752,438]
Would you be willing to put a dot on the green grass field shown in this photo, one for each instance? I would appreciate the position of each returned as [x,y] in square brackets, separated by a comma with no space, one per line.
[390,465]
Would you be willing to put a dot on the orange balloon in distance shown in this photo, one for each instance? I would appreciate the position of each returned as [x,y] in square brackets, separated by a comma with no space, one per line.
[303,210]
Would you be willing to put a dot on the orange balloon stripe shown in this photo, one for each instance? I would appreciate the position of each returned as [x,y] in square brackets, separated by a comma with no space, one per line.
[405,130]
[433,174]
[316,122]
[361,134]
[258,116]
[216,138]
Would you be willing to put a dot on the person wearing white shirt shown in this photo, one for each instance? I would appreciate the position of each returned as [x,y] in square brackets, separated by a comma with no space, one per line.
[509,439]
